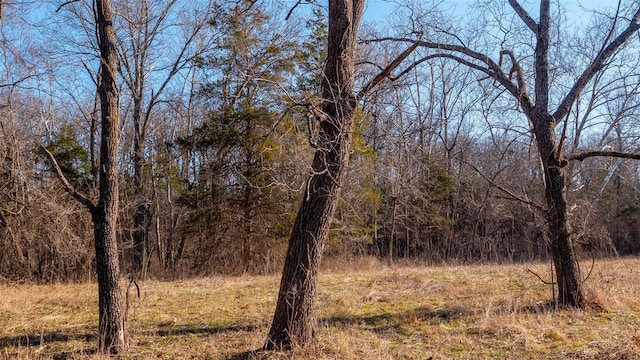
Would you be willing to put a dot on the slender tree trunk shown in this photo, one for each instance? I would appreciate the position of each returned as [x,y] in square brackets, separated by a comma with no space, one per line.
[294,321]
[561,247]
[111,330]
[141,218]
[392,235]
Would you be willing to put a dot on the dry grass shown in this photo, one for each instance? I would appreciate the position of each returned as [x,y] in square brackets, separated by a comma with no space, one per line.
[376,312]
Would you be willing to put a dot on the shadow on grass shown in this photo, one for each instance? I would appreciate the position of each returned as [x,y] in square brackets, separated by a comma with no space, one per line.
[247,355]
[42,339]
[541,307]
[179,330]
[72,354]
[394,321]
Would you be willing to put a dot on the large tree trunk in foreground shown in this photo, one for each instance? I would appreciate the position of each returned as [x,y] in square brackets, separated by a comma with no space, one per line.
[561,247]
[111,331]
[294,321]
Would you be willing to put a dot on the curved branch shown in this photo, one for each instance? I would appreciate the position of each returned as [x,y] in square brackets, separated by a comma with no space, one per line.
[413,66]
[492,69]
[616,154]
[66,184]
[515,67]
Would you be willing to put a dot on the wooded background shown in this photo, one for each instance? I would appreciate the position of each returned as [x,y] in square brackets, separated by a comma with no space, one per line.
[220,107]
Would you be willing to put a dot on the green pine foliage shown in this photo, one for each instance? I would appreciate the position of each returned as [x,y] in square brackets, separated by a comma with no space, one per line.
[71,156]
[242,147]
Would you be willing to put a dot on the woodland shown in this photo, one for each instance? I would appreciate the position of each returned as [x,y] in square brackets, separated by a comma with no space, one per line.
[179,139]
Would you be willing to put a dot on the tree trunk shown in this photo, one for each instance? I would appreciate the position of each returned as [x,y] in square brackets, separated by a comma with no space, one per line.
[142,218]
[294,321]
[392,235]
[566,265]
[111,330]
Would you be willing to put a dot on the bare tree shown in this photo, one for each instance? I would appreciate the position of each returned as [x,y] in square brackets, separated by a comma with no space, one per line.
[111,327]
[294,321]
[543,119]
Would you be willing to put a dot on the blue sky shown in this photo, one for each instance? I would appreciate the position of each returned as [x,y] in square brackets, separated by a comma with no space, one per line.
[379,10]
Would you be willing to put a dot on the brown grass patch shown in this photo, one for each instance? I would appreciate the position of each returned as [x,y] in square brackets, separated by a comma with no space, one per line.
[374,312]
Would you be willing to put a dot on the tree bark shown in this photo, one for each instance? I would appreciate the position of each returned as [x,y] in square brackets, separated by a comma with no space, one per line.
[561,247]
[294,321]
[111,329]
[565,262]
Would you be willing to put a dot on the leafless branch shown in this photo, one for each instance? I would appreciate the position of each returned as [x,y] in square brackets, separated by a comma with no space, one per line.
[387,70]
[541,279]
[65,4]
[413,66]
[511,195]
[616,154]
[485,64]
[515,68]
[593,263]
[598,63]
[15,83]
[66,184]
[522,13]
[286,18]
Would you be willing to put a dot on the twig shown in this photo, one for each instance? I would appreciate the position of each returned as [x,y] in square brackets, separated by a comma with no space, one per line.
[541,279]
[65,4]
[593,263]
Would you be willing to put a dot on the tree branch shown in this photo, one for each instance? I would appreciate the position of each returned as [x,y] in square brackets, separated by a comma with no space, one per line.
[598,63]
[66,184]
[65,4]
[492,69]
[616,154]
[515,67]
[522,13]
[512,196]
[291,10]
[387,70]
[540,277]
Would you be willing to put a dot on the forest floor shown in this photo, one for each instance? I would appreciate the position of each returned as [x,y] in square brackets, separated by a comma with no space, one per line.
[366,312]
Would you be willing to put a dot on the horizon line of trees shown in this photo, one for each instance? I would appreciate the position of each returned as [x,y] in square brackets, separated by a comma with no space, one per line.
[425,140]
[213,182]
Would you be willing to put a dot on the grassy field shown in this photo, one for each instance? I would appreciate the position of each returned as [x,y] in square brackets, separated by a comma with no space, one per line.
[370,312]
